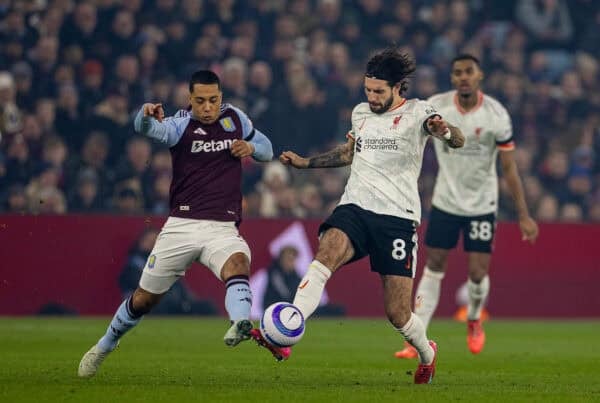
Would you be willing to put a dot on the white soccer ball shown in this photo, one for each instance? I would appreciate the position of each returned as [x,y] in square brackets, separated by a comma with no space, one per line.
[282,324]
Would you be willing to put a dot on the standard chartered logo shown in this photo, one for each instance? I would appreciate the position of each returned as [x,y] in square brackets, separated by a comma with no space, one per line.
[385,144]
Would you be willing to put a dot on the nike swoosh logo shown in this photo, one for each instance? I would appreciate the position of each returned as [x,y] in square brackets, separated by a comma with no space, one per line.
[303,285]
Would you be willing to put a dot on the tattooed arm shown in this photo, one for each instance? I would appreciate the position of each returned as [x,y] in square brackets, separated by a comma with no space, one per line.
[338,157]
[439,128]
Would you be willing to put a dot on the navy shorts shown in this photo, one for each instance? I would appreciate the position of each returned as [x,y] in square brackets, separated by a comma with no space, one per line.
[390,242]
[444,229]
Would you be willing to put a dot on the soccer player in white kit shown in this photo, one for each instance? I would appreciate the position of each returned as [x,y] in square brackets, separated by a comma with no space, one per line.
[207,144]
[380,208]
[465,196]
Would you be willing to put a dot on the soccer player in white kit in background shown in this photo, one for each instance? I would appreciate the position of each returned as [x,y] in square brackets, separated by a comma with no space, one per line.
[465,196]
[380,208]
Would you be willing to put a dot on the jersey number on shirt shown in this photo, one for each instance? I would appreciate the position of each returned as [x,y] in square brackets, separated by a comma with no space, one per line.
[481,230]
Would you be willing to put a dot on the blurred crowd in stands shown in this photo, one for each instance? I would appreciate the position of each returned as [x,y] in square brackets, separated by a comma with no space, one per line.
[74,73]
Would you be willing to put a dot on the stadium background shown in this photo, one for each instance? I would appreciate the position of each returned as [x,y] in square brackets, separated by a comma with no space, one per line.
[77,188]
[73,73]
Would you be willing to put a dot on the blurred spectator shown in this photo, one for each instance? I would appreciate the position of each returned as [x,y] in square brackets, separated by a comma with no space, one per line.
[137,164]
[87,197]
[179,300]
[16,201]
[282,277]
[80,30]
[275,179]
[128,198]
[111,116]
[594,212]
[547,209]
[311,201]
[127,78]
[571,213]
[260,86]
[93,155]
[234,79]
[69,121]
[121,38]
[23,76]
[283,280]
[92,91]
[547,20]
[10,116]
[19,165]
[160,194]
[43,194]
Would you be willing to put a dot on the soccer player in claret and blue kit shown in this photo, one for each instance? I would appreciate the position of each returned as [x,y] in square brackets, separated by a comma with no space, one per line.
[207,143]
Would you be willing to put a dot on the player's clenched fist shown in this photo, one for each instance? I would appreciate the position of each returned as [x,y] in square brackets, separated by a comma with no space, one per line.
[293,159]
[241,149]
[437,126]
[154,110]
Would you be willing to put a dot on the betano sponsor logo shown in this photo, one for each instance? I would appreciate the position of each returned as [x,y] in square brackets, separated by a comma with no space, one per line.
[199,146]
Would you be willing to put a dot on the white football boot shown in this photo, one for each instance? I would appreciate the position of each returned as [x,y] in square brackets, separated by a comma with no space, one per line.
[238,332]
[91,361]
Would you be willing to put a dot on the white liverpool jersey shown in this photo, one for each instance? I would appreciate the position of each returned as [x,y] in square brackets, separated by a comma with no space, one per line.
[467,183]
[388,153]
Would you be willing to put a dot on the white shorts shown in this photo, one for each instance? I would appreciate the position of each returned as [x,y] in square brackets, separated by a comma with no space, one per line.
[183,241]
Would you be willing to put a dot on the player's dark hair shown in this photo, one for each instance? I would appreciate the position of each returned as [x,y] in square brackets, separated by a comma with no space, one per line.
[204,77]
[392,66]
[466,56]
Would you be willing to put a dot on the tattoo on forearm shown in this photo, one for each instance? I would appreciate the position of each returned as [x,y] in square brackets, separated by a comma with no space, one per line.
[338,157]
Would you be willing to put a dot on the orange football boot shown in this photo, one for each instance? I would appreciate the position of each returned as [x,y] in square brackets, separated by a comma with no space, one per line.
[407,353]
[475,336]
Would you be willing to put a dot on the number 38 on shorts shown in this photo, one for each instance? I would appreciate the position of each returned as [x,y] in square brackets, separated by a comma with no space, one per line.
[444,229]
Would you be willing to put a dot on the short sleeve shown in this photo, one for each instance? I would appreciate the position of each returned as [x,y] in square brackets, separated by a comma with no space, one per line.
[247,126]
[355,123]
[503,132]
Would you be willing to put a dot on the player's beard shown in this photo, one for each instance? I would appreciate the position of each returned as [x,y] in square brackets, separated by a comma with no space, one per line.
[383,108]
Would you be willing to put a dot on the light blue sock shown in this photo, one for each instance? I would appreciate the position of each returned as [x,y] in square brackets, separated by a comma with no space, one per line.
[120,324]
[238,298]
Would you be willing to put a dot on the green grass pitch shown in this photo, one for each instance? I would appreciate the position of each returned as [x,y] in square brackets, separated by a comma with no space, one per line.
[342,360]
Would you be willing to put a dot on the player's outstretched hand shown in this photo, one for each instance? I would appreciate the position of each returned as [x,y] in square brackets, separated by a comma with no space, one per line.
[293,159]
[241,149]
[437,126]
[529,229]
[154,110]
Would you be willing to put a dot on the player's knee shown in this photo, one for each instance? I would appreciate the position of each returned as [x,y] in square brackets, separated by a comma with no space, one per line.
[143,301]
[436,261]
[476,274]
[238,264]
